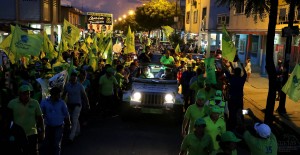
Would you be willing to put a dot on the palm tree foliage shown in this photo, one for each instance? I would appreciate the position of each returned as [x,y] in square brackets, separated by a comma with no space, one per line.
[258,9]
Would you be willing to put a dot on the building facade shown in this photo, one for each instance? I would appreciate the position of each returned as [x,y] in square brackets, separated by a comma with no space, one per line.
[39,14]
[204,21]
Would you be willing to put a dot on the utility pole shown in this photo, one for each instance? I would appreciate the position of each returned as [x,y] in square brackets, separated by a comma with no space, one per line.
[287,56]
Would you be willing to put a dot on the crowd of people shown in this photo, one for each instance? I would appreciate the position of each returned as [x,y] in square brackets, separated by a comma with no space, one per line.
[212,111]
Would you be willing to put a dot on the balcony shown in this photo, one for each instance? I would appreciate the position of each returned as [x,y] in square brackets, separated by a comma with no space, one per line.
[222,19]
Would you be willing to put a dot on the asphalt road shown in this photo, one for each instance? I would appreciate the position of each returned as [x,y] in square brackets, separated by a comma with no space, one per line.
[143,135]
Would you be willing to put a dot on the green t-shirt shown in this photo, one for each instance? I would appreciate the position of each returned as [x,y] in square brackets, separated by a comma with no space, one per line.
[107,85]
[259,146]
[214,129]
[193,113]
[167,61]
[195,146]
[25,115]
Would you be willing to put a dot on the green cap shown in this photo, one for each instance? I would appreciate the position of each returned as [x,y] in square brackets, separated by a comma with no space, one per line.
[229,136]
[200,95]
[218,95]
[110,70]
[24,88]
[215,109]
[199,121]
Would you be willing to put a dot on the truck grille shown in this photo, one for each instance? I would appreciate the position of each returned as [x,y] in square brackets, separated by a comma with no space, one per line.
[153,99]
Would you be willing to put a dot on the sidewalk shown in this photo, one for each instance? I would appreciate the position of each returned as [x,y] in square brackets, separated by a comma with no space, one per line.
[255,98]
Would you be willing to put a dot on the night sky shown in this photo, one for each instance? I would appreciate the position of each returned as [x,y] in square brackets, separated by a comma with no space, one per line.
[116,7]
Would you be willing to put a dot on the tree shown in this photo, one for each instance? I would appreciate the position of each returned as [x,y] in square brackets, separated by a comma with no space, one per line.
[258,9]
[125,23]
[155,14]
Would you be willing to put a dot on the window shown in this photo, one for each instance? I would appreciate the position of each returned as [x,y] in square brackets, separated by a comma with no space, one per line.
[282,15]
[188,17]
[222,19]
[195,16]
[239,9]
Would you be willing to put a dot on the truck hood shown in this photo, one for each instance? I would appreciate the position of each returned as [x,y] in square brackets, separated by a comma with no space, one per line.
[154,87]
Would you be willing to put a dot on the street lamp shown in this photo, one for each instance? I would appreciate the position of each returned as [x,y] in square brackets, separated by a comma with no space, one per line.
[120,19]
[131,12]
[124,16]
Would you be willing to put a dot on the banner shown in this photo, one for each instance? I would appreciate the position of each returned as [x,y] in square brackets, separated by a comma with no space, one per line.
[24,44]
[292,86]
[210,71]
[228,48]
[99,22]
[58,80]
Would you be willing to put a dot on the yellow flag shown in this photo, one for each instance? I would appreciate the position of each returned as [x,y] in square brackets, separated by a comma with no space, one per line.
[24,44]
[108,53]
[167,30]
[70,33]
[177,49]
[89,40]
[5,46]
[84,48]
[48,48]
[130,48]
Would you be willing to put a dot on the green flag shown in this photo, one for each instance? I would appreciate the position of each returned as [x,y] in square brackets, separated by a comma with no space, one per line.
[210,70]
[70,33]
[25,44]
[228,48]
[292,86]
[130,48]
[177,49]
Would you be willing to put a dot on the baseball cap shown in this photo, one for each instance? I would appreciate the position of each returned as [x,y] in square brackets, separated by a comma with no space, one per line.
[218,95]
[229,136]
[24,88]
[263,130]
[199,121]
[110,70]
[215,109]
[200,95]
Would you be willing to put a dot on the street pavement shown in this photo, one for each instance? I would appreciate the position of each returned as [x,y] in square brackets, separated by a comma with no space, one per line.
[255,98]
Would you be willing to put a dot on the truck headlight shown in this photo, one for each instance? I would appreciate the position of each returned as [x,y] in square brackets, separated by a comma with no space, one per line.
[169,98]
[137,96]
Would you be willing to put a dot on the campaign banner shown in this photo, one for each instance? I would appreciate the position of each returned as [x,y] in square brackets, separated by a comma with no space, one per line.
[99,22]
